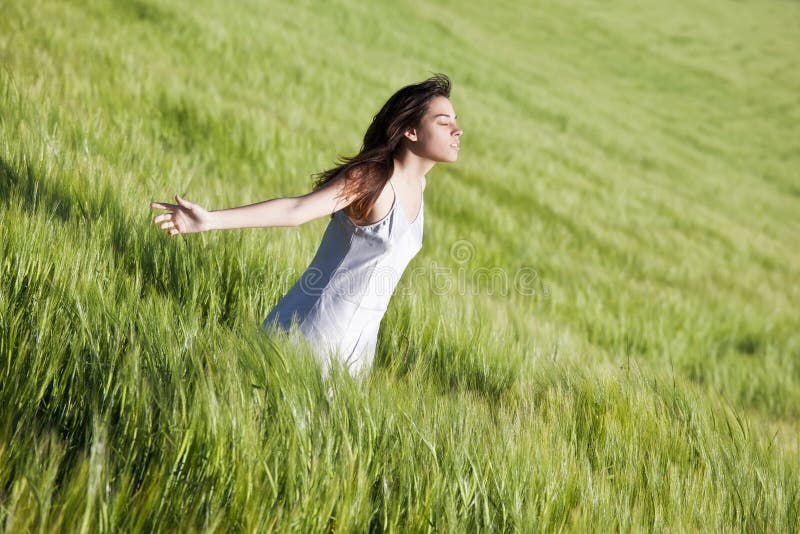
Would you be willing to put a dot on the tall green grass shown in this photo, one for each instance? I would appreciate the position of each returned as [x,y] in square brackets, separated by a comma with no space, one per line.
[636,163]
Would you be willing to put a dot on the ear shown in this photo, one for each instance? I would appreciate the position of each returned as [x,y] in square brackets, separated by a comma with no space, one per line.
[410,134]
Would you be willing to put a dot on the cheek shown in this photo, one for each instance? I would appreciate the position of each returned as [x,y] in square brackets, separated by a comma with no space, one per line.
[435,141]
[438,136]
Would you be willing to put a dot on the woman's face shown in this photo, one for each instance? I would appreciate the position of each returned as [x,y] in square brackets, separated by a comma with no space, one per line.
[437,137]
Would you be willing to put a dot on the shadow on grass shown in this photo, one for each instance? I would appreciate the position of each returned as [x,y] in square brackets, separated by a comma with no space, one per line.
[140,253]
[450,367]
[35,194]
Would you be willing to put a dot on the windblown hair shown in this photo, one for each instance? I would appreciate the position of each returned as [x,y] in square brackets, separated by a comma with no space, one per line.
[367,172]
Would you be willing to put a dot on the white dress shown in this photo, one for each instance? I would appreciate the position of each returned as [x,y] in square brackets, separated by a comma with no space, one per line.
[340,299]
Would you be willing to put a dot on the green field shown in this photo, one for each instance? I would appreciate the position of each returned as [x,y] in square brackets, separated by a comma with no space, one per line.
[600,333]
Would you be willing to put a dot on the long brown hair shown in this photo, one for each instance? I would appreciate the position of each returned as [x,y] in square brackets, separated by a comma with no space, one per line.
[367,172]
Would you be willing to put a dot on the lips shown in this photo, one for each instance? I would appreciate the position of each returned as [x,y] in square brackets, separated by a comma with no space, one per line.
[455,145]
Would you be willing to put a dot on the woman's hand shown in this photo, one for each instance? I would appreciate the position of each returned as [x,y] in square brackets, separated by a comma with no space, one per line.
[182,218]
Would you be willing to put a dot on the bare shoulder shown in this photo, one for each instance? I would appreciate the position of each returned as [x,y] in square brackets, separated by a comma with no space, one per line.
[423,183]
[381,206]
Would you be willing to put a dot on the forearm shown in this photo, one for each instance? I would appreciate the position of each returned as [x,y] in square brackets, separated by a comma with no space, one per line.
[273,212]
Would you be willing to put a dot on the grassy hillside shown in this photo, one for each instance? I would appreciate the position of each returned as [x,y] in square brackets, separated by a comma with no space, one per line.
[618,346]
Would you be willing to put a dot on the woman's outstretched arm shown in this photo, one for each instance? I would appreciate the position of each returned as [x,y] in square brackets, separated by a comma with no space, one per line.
[186,217]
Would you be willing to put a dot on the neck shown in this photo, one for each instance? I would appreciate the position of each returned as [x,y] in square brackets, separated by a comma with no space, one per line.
[411,168]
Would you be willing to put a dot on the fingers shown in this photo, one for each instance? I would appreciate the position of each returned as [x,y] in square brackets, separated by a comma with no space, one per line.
[181,204]
[163,205]
[167,223]
[166,219]
[184,203]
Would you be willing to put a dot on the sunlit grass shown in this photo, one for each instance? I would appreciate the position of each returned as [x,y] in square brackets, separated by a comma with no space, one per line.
[632,166]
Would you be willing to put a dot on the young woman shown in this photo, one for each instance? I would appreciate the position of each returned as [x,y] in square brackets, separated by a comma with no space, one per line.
[376,203]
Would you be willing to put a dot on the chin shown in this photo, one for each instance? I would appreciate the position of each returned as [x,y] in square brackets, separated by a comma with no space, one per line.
[449,157]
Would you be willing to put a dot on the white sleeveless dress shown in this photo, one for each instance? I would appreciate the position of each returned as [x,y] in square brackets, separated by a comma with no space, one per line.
[340,299]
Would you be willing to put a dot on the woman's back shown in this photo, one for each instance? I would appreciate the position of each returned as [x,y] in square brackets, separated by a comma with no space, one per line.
[339,301]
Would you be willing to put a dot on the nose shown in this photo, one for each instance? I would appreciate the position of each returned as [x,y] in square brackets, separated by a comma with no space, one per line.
[458,132]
